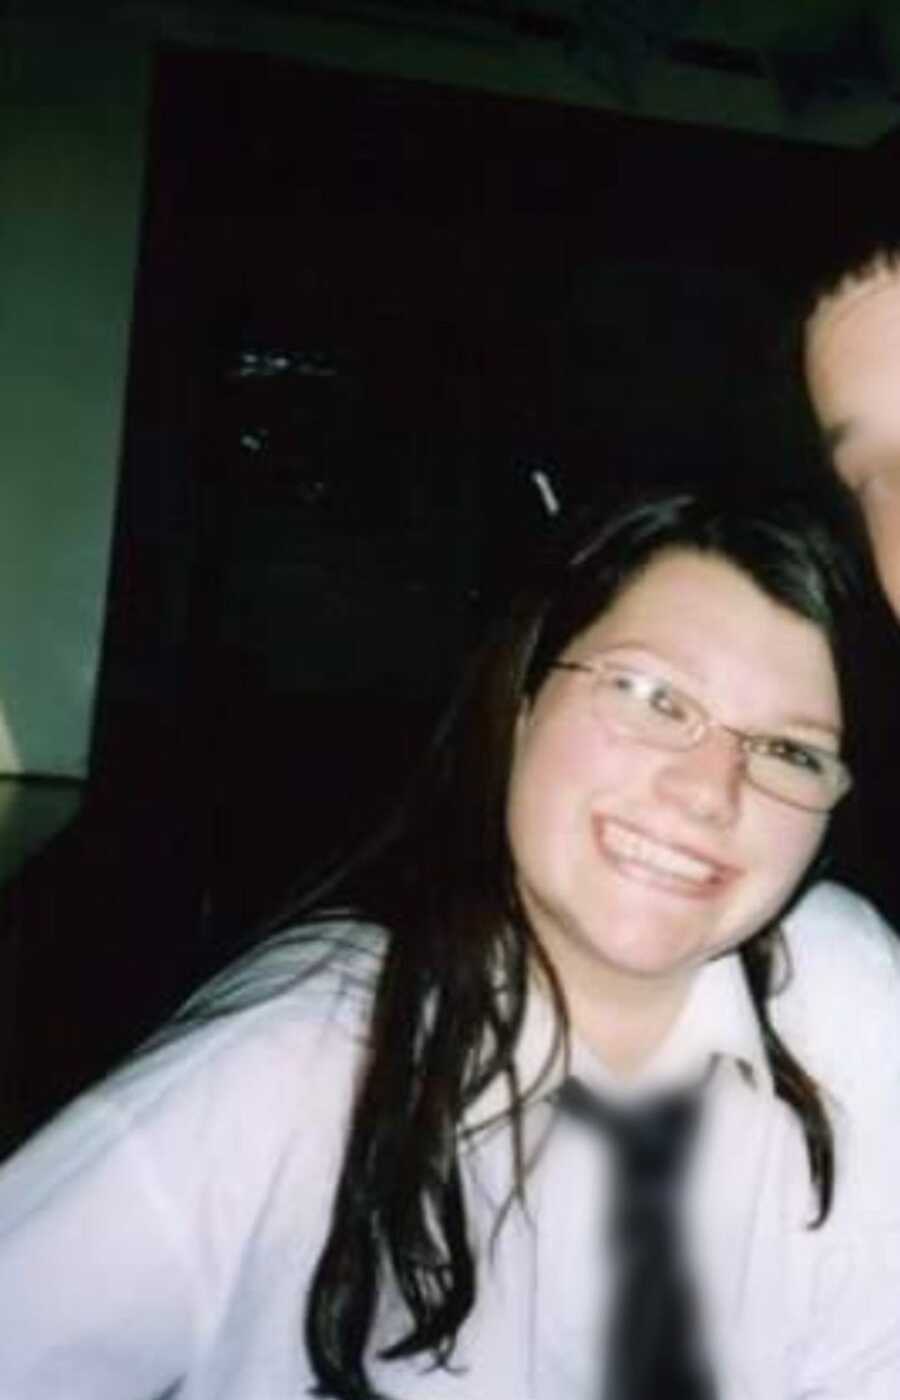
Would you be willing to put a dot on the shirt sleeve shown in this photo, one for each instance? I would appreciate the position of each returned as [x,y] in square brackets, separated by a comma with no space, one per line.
[848,961]
[853,1350]
[96,1301]
[176,1210]
[138,1229]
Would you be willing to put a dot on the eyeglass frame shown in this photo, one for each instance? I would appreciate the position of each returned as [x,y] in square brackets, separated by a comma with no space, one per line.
[746,738]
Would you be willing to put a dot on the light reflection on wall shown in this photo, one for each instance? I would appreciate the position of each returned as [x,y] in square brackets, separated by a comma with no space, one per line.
[10,758]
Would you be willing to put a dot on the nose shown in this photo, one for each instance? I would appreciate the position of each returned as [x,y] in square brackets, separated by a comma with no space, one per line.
[705,781]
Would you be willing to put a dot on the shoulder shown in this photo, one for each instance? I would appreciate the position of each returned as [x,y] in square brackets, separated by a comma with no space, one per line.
[194,1185]
[835,933]
[259,1067]
[326,968]
[839,1007]
[301,1000]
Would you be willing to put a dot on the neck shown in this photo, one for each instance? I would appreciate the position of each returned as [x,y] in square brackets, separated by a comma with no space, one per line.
[624,1018]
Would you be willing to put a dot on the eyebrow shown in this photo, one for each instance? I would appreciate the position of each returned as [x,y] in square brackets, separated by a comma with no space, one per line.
[834,731]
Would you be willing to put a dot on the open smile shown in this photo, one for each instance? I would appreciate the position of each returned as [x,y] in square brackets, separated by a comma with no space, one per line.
[657,862]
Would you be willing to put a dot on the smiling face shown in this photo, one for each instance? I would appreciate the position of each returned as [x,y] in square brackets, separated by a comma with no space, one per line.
[853,374]
[636,864]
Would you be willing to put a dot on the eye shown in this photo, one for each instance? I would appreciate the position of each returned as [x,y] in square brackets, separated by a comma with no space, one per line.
[797,755]
[650,692]
[666,701]
[627,683]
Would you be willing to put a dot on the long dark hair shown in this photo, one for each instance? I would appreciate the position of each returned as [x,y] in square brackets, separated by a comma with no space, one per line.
[450,998]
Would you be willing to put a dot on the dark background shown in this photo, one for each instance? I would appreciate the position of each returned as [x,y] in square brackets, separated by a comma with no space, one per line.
[372,317]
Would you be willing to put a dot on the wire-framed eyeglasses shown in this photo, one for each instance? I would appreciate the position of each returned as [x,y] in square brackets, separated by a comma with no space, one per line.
[635,704]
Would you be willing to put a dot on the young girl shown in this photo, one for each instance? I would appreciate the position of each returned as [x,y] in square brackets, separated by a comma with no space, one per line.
[361,1162]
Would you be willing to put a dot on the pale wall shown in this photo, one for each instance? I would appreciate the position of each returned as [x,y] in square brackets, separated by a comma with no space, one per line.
[72,154]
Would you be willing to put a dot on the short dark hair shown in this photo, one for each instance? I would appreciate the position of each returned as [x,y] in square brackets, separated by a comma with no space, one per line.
[449,1005]
[830,277]
[846,267]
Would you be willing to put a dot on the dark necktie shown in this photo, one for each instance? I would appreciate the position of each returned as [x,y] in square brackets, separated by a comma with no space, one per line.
[654,1351]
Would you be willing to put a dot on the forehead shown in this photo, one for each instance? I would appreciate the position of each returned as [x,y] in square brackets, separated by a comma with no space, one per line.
[716,626]
[852,351]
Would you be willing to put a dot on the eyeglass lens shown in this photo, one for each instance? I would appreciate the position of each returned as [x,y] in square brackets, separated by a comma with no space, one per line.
[650,711]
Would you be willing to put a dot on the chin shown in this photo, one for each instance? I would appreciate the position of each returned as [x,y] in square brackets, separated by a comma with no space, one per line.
[663,963]
[654,948]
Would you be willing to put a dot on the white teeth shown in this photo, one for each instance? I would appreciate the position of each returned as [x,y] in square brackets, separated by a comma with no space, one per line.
[630,846]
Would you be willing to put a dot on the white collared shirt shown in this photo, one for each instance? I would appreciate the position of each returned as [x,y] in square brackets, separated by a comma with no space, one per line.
[158,1238]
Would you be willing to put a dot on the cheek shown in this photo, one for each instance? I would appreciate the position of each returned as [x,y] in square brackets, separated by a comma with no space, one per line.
[560,771]
[882,516]
[555,757]
[545,770]
[787,844]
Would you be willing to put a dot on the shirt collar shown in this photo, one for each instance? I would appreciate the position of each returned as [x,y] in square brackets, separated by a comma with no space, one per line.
[718,1019]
